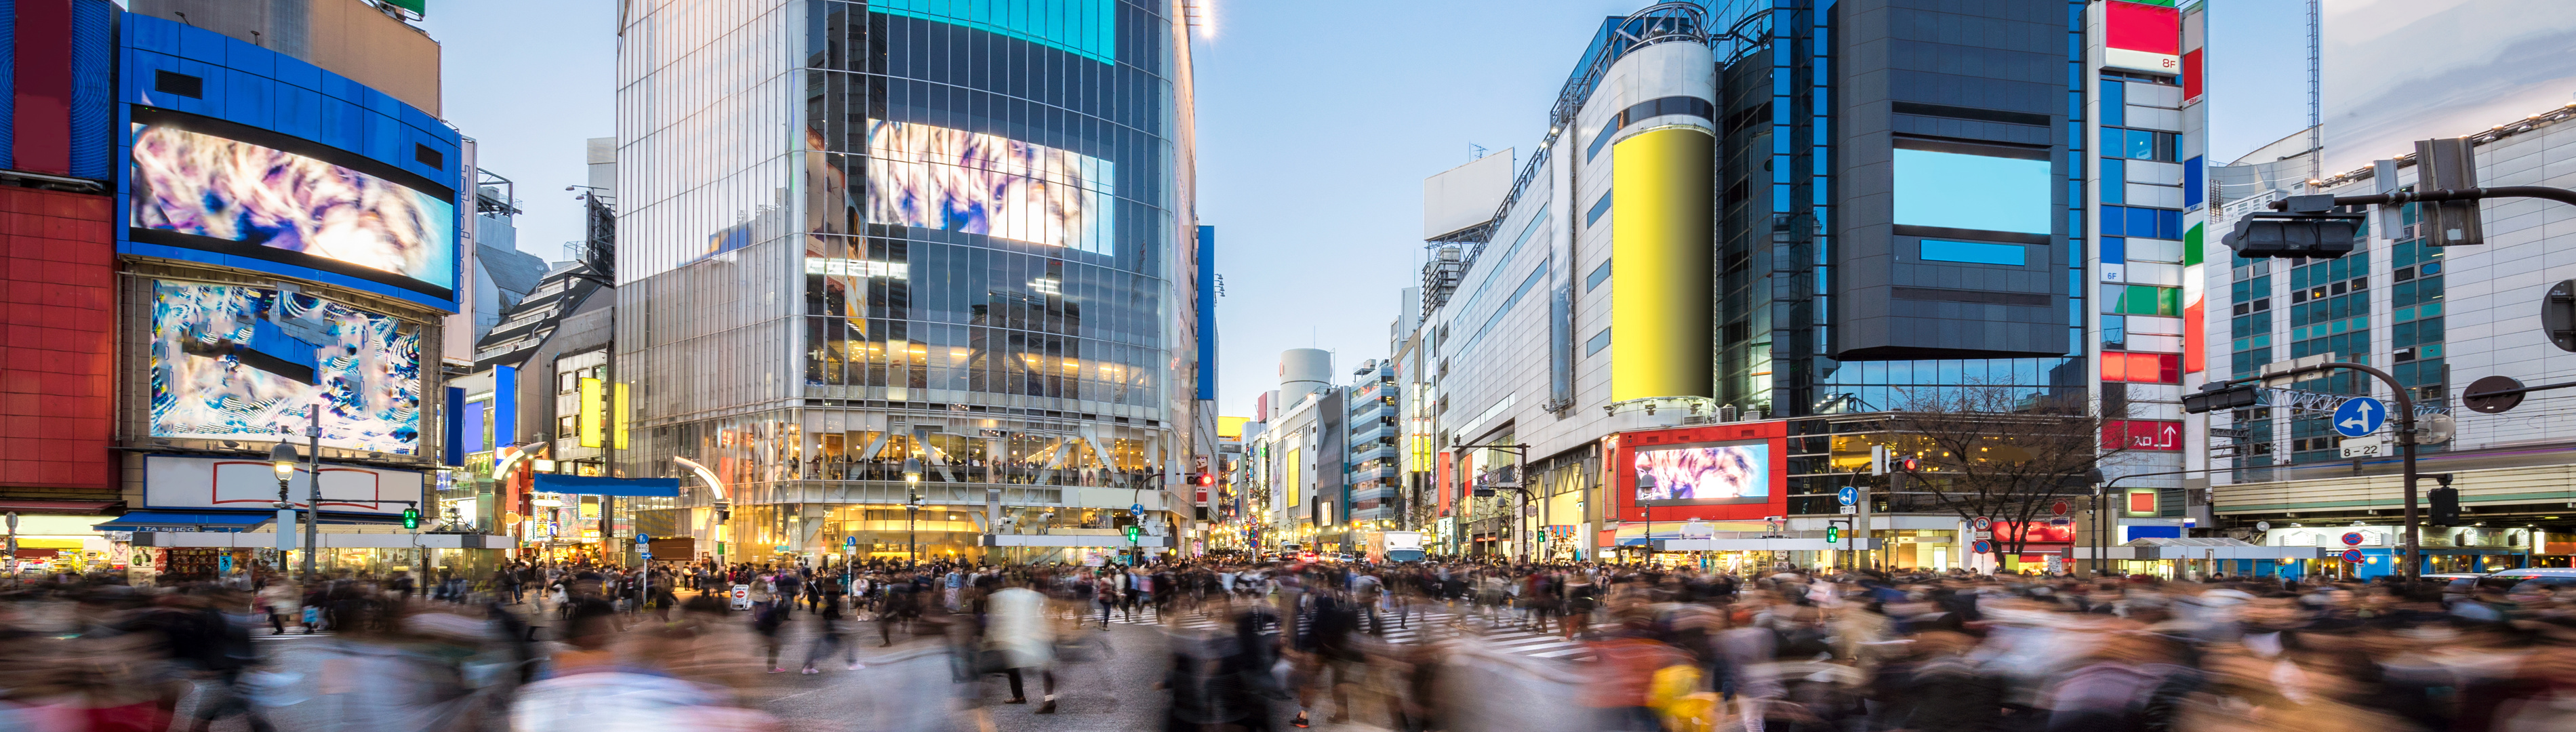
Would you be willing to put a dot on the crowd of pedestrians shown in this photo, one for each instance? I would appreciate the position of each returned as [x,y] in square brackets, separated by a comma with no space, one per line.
[1261,645]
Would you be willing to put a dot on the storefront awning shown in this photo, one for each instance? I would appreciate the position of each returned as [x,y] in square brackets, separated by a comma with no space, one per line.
[589,485]
[179,521]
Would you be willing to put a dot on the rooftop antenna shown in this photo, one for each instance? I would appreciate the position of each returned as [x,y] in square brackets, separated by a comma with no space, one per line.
[1475,151]
[2316,92]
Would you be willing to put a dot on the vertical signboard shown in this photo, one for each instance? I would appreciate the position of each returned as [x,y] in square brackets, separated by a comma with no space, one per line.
[2195,198]
[1446,485]
[591,407]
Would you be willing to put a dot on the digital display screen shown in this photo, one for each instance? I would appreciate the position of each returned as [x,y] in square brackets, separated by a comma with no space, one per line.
[231,362]
[975,183]
[192,188]
[1703,474]
[1956,190]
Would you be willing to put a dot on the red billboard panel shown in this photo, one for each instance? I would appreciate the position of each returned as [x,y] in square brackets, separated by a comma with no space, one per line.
[2038,532]
[2191,84]
[2142,37]
[2142,434]
[1736,471]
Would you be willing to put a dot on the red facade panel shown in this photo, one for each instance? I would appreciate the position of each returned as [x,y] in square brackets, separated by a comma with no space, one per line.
[43,140]
[57,335]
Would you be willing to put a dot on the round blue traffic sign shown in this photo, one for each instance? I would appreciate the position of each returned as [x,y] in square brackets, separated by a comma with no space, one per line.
[2353,538]
[1982,547]
[2352,556]
[2359,416]
[1848,495]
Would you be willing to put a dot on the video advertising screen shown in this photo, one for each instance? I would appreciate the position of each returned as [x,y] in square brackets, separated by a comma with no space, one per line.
[197,183]
[231,362]
[1703,474]
[940,178]
[1973,187]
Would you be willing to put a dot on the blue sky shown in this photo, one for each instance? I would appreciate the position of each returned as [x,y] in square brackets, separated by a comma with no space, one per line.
[1317,121]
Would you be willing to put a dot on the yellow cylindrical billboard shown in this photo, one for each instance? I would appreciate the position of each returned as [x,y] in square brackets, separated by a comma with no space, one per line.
[1660,242]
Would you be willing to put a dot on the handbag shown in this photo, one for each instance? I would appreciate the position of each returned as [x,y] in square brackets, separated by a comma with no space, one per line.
[991,661]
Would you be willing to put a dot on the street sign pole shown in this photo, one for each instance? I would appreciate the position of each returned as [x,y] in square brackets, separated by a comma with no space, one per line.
[1861,529]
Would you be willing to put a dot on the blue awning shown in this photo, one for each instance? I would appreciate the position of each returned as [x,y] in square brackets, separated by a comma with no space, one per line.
[183,521]
[590,485]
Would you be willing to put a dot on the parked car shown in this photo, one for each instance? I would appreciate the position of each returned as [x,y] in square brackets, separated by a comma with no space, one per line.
[2536,578]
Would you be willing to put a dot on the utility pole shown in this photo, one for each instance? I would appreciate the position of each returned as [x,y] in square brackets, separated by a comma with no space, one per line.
[312,489]
[2239,392]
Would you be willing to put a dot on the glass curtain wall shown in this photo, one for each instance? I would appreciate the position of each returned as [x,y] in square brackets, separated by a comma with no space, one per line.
[963,256]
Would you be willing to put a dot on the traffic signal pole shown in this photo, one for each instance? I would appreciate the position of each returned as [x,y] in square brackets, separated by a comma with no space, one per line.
[2405,437]
[2560,195]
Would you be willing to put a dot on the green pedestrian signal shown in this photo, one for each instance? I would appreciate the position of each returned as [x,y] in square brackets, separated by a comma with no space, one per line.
[1833,534]
[411,518]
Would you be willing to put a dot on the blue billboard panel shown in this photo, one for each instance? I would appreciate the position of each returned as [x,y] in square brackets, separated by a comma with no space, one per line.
[234,155]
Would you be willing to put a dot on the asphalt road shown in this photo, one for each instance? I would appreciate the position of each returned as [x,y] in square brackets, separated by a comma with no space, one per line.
[1115,692]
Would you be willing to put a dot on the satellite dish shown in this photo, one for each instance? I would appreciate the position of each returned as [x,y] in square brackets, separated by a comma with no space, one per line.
[2262,526]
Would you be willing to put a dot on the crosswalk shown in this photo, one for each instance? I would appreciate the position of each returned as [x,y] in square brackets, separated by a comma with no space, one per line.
[1499,634]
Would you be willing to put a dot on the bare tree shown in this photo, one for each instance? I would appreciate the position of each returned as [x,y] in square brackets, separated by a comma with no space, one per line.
[2005,452]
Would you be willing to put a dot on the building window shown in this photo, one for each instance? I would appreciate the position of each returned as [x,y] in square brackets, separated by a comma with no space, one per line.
[192,87]
[1593,281]
[1598,341]
[2142,368]
[1598,208]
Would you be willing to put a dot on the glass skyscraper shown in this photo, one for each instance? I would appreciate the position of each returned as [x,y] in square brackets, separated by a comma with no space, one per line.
[853,234]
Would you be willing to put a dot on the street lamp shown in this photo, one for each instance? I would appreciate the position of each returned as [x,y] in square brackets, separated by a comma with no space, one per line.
[912,510]
[283,459]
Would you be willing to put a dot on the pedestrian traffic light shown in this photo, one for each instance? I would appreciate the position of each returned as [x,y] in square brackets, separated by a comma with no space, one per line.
[1131,534]
[411,518]
[2308,230]
[1833,533]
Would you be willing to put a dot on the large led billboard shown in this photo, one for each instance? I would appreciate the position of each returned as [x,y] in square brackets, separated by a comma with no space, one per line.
[1702,474]
[1973,187]
[205,184]
[940,178]
[231,362]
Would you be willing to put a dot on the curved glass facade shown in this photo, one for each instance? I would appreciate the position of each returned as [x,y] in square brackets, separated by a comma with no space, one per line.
[965,253]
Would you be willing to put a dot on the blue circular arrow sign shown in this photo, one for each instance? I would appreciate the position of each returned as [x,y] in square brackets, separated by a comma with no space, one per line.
[2359,416]
[1848,495]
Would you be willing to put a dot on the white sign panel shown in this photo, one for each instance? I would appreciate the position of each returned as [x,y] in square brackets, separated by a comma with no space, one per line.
[172,481]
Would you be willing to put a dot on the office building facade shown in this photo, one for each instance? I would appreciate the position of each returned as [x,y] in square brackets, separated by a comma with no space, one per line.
[2436,318]
[854,235]
[293,222]
[1810,212]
